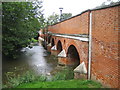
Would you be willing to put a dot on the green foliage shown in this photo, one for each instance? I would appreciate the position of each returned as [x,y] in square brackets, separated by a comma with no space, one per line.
[15,80]
[66,16]
[34,40]
[65,74]
[19,25]
[41,78]
[52,19]
[63,79]
[108,3]
[40,16]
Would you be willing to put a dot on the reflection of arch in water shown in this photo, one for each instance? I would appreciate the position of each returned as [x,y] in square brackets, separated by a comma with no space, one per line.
[73,55]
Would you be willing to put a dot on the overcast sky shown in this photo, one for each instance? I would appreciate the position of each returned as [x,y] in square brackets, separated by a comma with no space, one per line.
[69,6]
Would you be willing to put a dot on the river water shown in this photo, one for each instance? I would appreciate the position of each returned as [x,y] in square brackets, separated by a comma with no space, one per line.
[36,59]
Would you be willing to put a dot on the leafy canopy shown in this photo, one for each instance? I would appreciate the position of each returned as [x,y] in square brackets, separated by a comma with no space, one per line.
[19,25]
[52,19]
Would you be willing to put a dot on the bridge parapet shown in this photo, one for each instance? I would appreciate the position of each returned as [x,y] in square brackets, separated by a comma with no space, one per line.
[81,37]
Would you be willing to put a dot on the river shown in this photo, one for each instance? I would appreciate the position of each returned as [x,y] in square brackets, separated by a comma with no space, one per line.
[36,59]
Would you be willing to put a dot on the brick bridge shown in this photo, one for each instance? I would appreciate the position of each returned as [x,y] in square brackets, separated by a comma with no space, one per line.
[89,42]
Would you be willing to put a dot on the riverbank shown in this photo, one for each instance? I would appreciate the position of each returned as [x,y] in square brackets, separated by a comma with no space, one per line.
[62,79]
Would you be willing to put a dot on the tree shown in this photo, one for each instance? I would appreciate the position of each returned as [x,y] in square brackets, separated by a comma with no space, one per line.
[66,16]
[39,14]
[19,25]
[52,19]
[108,3]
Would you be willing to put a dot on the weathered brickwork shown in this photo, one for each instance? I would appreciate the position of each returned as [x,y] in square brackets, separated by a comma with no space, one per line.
[82,47]
[76,25]
[105,42]
[105,45]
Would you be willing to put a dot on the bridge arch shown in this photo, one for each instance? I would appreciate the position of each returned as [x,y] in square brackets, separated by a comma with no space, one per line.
[59,46]
[73,55]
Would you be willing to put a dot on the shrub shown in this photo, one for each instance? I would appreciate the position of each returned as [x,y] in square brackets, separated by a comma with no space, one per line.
[28,77]
[65,74]
[34,40]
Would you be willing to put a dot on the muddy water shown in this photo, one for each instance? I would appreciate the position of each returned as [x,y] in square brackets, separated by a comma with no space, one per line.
[36,59]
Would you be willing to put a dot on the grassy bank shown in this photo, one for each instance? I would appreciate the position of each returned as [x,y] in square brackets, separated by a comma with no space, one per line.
[61,79]
[62,84]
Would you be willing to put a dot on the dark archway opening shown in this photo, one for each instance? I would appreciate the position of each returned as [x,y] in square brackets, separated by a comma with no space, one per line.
[49,38]
[53,43]
[59,46]
[73,55]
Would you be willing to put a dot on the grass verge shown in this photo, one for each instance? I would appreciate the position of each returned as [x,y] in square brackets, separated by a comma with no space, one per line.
[62,84]
[61,79]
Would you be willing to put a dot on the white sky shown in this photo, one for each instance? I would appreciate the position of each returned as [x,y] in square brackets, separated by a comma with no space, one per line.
[69,6]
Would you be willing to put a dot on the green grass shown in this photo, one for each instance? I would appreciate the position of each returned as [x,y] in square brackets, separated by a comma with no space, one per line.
[14,81]
[62,84]
[61,79]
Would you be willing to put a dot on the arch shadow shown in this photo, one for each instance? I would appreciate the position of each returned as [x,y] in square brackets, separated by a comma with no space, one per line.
[53,42]
[73,55]
[59,46]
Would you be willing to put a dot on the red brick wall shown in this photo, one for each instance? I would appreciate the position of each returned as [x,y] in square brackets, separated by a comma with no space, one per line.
[76,25]
[82,47]
[105,45]
[105,32]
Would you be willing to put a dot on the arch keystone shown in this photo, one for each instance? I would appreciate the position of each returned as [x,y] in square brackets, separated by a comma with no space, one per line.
[81,68]
[62,54]
[54,47]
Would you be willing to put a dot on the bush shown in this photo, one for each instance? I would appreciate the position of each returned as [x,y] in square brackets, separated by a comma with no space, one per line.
[41,78]
[65,74]
[29,76]
[14,81]
[34,40]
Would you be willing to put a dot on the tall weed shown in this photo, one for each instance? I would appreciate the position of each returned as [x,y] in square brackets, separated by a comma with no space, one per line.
[14,81]
[65,74]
